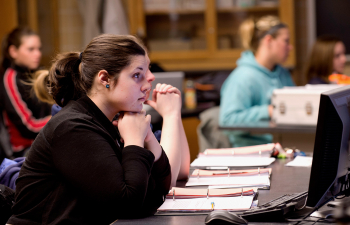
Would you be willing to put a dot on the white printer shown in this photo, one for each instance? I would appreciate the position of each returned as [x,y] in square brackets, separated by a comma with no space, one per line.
[298,105]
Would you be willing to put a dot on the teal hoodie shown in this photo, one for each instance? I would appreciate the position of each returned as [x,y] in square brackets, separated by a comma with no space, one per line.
[246,95]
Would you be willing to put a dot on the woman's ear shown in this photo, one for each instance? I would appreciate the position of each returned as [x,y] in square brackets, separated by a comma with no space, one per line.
[13,51]
[103,77]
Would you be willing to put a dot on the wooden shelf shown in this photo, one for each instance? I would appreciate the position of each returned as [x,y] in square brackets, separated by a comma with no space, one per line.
[248,9]
[178,11]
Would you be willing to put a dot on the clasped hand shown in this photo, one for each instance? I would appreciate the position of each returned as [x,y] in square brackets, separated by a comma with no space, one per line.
[133,127]
[166,100]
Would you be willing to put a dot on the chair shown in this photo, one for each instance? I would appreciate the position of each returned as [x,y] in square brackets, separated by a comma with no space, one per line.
[209,136]
[5,145]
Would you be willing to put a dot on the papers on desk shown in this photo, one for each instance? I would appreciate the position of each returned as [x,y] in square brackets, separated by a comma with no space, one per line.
[231,161]
[188,199]
[303,161]
[231,178]
[250,156]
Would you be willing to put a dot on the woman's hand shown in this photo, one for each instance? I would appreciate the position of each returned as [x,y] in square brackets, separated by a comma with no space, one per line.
[134,127]
[166,100]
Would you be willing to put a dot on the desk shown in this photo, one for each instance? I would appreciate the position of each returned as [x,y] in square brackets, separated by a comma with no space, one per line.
[284,180]
[286,135]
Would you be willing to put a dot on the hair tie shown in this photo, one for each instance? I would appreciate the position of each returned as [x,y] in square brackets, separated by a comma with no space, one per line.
[80,56]
[274,29]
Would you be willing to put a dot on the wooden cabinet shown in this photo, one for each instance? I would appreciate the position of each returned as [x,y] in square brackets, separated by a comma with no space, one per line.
[199,34]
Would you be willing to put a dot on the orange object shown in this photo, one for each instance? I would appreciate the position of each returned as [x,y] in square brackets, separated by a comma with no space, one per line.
[339,79]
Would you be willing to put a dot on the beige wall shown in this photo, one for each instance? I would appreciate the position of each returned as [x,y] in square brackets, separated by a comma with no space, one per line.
[70,26]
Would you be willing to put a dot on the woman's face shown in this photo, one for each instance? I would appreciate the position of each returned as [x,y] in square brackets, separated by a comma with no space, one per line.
[339,58]
[28,54]
[280,46]
[133,85]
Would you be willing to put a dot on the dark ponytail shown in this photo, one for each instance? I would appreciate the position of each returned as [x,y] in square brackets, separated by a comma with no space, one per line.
[13,38]
[71,75]
[65,80]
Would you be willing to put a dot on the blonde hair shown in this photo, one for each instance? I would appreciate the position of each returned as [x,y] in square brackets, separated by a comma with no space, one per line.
[320,62]
[252,31]
[40,86]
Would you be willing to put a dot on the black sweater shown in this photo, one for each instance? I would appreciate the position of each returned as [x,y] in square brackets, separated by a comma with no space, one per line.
[76,173]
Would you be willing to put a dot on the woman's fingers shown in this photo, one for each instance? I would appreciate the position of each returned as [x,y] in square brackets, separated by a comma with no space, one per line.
[163,88]
[174,90]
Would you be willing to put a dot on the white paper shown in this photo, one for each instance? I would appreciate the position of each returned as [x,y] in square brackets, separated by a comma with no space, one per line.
[232,161]
[304,161]
[229,203]
[232,181]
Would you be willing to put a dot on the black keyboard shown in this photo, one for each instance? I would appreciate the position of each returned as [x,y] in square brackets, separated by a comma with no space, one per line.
[276,209]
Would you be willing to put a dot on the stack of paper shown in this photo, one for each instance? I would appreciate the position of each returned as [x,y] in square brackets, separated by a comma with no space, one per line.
[231,161]
[265,150]
[251,156]
[231,178]
[187,199]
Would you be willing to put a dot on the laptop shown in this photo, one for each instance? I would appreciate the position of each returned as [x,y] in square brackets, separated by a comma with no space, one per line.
[173,78]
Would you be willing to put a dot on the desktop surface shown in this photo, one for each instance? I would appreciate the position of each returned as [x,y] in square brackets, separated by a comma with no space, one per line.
[284,180]
[267,126]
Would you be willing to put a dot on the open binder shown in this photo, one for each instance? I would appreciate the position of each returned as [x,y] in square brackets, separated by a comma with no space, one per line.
[231,178]
[205,200]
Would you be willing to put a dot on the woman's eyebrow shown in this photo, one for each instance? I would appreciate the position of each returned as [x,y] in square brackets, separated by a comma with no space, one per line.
[140,68]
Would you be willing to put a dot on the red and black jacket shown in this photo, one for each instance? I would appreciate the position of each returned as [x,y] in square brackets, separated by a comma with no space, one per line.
[24,114]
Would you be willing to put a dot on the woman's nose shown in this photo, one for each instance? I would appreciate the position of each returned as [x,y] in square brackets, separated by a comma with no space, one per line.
[149,76]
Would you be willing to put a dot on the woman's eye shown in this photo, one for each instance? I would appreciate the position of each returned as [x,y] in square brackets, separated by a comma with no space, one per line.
[136,75]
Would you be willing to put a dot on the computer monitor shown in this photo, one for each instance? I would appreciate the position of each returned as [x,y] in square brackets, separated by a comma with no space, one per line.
[331,161]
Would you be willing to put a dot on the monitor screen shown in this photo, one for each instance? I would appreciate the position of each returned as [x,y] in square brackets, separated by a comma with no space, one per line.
[331,161]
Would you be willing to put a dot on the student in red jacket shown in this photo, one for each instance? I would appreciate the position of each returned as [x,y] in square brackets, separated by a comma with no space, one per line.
[23,113]
[81,169]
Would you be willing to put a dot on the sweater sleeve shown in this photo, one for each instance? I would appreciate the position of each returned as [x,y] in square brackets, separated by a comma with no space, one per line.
[162,178]
[236,104]
[85,156]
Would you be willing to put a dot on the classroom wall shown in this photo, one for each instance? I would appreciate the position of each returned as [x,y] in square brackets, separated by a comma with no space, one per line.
[8,17]
[70,26]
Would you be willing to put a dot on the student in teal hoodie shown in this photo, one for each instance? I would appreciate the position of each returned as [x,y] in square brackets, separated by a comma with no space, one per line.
[246,93]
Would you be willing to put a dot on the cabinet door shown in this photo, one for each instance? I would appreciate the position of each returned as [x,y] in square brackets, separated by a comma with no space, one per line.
[171,29]
[200,34]
[231,13]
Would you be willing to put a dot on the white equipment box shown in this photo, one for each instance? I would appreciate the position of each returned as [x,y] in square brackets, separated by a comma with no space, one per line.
[298,105]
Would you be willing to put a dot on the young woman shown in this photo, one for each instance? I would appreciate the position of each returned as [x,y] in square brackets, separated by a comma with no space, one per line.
[24,115]
[246,93]
[327,57]
[83,170]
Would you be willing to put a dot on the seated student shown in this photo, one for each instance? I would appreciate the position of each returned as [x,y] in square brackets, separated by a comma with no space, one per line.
[172,138]
[24,114]
[327,57]
[246,93]
[81,169]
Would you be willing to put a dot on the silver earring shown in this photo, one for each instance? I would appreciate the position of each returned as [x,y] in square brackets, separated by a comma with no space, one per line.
[107,85]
